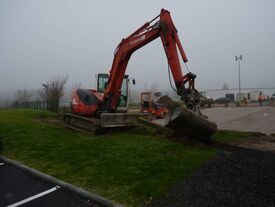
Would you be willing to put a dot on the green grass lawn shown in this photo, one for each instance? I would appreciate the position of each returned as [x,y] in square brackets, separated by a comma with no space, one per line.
[231,136]
[128,168]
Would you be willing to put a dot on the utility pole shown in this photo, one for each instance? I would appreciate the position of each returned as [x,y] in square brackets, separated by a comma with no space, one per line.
[239,58]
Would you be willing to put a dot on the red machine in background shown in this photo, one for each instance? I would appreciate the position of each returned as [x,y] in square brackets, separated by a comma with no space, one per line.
[148,106]
[102,105]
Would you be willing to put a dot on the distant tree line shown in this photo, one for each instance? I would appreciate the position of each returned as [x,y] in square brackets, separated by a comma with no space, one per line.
[47,97]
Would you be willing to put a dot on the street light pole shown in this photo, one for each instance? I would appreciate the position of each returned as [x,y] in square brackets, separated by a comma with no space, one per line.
[239,58]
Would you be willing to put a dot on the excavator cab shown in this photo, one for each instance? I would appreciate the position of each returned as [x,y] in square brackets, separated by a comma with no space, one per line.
[102,81]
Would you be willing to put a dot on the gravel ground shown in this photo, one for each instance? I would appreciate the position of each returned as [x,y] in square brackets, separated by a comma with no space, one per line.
[236,177]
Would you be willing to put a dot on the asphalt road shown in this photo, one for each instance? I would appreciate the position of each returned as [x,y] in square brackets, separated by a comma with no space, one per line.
[18,188]
[258,119]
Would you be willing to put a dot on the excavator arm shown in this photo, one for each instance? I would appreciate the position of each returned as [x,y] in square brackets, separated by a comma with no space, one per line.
[165,29]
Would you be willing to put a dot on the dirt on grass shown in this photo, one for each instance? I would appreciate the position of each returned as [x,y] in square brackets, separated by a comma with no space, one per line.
[57,119]
[260,142]
[166,101]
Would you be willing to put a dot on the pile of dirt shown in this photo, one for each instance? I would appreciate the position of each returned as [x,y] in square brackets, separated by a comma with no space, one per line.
[49,121]
[167,101]
[185,122]
[260,142]
[42,118]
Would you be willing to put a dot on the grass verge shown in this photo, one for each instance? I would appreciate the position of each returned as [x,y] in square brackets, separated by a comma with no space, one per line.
[231,136]
[128,168]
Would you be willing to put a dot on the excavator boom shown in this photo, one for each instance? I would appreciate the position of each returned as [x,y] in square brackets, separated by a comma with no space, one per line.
[163,28]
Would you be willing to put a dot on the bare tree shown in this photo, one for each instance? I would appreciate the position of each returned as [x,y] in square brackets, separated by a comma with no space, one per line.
[52,91]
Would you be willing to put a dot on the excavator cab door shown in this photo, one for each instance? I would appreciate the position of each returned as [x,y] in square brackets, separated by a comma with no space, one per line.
[123,99]
[102,81]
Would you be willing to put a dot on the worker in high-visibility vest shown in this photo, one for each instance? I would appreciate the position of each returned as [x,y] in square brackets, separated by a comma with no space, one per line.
[244,101]
[261,99]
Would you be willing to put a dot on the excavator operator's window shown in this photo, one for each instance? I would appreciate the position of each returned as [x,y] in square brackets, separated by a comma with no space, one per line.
[124,94]
[101,82]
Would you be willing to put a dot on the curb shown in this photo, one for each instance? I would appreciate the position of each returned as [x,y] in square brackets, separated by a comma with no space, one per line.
[77,190]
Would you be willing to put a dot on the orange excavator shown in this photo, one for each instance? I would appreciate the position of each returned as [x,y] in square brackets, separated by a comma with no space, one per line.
[148,106]
[94,110]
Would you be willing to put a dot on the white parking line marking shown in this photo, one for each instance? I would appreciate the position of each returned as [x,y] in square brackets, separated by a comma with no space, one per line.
[2,163]
[34,197]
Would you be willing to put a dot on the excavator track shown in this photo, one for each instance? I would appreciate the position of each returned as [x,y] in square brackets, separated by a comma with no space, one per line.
[99,126]
[83,124]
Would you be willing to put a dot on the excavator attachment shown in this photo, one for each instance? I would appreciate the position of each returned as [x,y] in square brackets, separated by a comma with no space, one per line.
[185,122]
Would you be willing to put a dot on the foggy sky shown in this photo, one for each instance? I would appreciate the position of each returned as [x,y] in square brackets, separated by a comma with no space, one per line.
[40,40]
